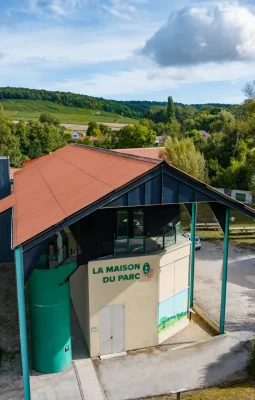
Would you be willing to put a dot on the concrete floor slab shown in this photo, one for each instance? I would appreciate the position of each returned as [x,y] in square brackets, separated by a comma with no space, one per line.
[161,372]
[60,386]
[240,309]
[86,375]
[165,370]
[195,332]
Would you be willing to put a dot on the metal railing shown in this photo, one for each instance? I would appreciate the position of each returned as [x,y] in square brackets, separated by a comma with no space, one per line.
[60,257]
[142,245]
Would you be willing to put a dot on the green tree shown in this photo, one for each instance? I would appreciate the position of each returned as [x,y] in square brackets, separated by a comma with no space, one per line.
[252,186]
[170,109]
[93,129]
[46,118]
[164,320]
[183,155]
[35,149]
[104,129]
[135,136]
[9,142]
[235,176]
[157,114]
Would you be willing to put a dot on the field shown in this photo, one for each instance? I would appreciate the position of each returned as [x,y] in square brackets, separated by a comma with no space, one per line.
[24,110]
[205,215]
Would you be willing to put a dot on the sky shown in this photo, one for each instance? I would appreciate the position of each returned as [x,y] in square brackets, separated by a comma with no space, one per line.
[197,51]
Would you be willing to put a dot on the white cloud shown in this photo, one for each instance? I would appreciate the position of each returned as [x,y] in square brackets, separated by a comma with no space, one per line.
[124,9]
[154,80]
[220,33]
[53,8]
[65,46]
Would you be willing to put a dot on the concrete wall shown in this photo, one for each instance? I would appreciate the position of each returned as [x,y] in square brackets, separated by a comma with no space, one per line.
[169,273]
[140,297]
[174,290]
[174,272]
[79,289]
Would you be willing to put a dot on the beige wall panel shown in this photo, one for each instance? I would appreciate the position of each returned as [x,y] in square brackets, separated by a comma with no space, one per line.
[166,282]
[139,296]
[80,297]
[175,253]
[181,274]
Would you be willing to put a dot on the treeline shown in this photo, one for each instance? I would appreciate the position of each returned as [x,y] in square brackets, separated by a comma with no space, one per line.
[25,141]
[214,144]
[132,109]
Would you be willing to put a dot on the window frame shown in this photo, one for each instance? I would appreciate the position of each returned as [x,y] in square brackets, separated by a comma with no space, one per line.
[133,223]
[118,236]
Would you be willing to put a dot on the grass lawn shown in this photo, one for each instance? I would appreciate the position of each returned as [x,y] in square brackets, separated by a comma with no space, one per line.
[238,392]
[205,214]
[25,110]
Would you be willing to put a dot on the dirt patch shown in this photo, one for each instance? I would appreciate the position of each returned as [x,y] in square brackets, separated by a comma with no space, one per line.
[10,359]
[83,127]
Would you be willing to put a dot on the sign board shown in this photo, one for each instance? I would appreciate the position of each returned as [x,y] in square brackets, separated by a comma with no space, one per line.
[129,272]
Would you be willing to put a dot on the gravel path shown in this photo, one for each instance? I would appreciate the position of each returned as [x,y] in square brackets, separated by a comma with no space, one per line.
[240,310]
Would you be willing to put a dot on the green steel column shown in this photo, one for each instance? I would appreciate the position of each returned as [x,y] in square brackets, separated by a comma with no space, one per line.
[22,321]
[192,258]
[224,274]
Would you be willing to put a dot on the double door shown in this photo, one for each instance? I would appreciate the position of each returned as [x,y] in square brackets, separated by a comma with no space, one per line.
[112,329]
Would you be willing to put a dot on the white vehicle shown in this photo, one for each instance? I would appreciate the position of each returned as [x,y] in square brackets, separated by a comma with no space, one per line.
[197,240]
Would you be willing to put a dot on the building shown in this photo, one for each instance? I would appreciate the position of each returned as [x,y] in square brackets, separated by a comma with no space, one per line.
[77,135]
[205,134]
[106,224]
[240,195]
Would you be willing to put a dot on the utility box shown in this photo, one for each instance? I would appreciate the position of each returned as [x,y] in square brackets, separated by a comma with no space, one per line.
[49,305]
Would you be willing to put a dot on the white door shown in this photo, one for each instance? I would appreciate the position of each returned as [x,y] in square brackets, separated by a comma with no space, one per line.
[112,321]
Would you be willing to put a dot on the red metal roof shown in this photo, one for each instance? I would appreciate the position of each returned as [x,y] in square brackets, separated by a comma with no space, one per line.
[26,163]
[6,203]
[60,184]
[149,152]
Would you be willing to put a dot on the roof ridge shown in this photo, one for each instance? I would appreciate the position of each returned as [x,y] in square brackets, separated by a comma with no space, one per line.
[34,164]
[84,172]
[117,153]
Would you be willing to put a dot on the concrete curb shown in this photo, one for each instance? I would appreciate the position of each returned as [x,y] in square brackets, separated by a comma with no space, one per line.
[200,342]
[199,311]
[87,379]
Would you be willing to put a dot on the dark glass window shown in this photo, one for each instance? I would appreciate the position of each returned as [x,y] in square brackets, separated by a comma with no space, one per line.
[138,222]
[241,197]
[122,223]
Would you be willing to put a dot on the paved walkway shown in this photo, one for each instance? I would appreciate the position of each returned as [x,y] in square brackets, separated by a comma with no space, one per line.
[78,382]
[162,372]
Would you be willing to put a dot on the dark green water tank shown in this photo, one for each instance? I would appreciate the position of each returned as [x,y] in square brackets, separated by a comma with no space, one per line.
[49,306]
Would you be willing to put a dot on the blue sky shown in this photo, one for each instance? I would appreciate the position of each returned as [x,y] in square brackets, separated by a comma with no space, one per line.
[196,51]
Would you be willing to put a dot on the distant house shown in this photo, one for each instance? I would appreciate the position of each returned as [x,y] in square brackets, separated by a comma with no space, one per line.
[77,135]
[241,195]
[205,134]
[159,141]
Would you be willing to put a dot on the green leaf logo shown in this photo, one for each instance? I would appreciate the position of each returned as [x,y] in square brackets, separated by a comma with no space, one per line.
[146,268]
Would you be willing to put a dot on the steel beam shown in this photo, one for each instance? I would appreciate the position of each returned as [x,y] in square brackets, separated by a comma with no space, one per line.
[192,257]
[22,321]
[224,273]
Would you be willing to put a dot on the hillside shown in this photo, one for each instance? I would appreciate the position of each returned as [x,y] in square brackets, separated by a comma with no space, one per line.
[25,110]
[130,109]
